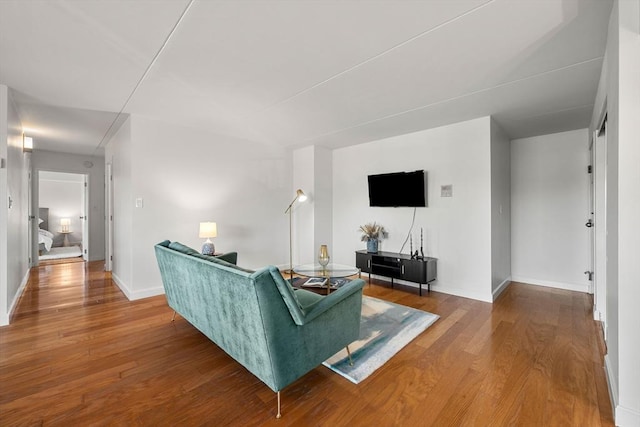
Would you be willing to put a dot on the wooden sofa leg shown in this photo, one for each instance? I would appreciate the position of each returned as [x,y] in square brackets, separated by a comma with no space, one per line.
[174,316]
[350,359]
[278,415]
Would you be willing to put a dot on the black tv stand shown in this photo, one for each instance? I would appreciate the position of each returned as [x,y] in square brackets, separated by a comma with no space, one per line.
[398,266]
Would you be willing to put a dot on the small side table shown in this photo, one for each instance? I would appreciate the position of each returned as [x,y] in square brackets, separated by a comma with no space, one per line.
[65,242]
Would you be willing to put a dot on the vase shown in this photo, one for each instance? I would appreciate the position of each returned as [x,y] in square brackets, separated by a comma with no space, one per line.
[372,246]
[323,256]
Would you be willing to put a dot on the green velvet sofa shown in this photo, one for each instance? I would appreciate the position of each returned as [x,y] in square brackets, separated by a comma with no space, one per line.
[276,332]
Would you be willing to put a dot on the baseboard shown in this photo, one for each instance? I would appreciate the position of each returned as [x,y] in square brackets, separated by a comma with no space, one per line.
[459,292]
[133,295]
[551,284]
[439,287]
[6,317]
[611,382]
[623,417]
[120,283]
[146,293]
[504,285]
[626,417]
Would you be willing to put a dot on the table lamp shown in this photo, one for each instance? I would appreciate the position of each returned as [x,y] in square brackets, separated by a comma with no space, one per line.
[208,230]
[64,225]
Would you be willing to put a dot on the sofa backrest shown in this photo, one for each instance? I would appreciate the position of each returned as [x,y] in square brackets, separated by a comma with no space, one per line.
[240,310]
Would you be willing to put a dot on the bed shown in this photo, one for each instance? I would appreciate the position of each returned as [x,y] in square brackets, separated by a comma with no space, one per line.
[45,237]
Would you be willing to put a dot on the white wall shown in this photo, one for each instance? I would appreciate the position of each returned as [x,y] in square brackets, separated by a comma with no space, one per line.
[500,210]
[187,176]
[14,257]
[457,230]
[610,104]
[64,198]
[74,163]
[619,98]
[303,214]
[549,207]
[313,173]
[629,212]
[119,153]
[323,201]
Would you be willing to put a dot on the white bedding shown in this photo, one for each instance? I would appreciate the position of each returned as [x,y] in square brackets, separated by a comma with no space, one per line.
[45,237]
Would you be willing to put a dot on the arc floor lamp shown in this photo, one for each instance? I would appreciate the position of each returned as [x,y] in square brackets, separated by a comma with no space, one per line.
[300,197]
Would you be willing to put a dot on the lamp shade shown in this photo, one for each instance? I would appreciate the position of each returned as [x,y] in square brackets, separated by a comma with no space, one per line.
[300,195]
[208,229]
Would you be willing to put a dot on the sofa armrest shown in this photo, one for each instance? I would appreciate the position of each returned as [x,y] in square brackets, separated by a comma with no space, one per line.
[300,316]
[333,298]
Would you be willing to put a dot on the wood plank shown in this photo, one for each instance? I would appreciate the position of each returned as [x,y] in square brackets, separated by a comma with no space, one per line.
[79,353]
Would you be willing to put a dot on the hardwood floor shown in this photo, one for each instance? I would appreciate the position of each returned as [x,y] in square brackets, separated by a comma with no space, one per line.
[79,353]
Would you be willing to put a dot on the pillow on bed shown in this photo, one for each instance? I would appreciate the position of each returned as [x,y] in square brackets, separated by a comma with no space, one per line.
[45,233]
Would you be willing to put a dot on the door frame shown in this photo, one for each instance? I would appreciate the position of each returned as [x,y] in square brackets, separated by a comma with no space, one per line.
[85,218]
[108,195]
[600,229]
[85,205]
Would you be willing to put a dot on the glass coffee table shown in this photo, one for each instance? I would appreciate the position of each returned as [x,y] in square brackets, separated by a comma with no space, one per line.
[329,276]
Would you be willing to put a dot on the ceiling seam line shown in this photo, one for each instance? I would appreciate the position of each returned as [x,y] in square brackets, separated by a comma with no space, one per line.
[145,73]
[452,99]
[408,111]
[366,61]
[562,110]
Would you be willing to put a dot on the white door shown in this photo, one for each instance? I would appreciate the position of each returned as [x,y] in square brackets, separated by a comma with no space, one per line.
[84,218]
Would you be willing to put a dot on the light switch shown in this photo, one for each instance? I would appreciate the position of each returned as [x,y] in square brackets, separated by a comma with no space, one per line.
[446,190]
[139,202]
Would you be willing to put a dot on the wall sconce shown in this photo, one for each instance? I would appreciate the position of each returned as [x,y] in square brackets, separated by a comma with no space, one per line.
[27,144]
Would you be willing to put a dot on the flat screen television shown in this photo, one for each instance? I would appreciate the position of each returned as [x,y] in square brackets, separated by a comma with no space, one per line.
[398,189]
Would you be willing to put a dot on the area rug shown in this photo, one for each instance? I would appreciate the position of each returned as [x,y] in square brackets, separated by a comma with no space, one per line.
[385,328]
[62,252]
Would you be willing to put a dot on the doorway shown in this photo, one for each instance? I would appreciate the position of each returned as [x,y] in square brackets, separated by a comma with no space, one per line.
[63,232]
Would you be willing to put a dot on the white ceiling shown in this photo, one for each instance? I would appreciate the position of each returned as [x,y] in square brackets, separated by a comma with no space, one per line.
[295,73]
